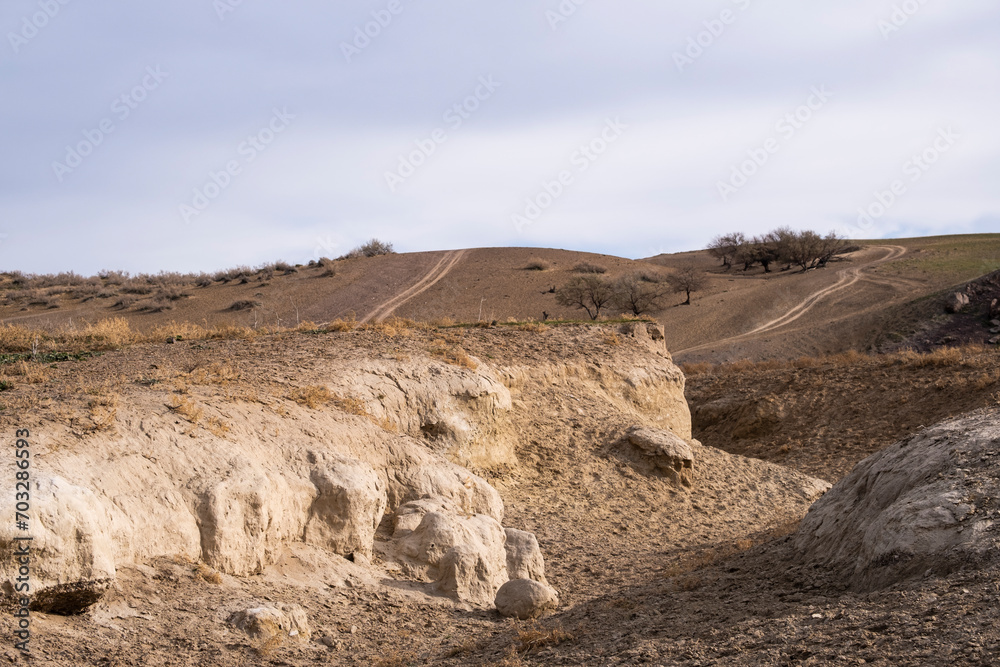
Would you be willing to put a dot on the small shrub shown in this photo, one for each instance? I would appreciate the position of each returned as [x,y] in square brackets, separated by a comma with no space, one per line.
[375,247]
[537,264]
[329,267]
[124,302]
[244,304]
[589,267]
[157,305]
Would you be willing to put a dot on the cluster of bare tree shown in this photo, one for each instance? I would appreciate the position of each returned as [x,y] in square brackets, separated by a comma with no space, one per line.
[635,293]
[805,249]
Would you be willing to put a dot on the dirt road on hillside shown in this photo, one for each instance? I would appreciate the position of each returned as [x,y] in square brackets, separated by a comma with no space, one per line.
[439,271]
[845,279]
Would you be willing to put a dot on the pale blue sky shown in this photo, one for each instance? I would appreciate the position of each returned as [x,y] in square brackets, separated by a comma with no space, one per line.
[312,118]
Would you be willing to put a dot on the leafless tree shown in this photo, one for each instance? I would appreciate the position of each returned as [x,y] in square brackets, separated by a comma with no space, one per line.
[687,280]
[639,293]
[591,293]
[726,247]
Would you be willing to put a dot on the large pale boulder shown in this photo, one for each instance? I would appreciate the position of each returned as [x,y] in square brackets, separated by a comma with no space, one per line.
[461,554]
[917,506]
[71,562]
[246,518]
[350,502]
[267,621]
[525,598]
[524,557]
[671,454]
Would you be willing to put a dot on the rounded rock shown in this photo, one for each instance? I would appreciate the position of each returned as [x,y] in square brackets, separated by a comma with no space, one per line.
[525,598]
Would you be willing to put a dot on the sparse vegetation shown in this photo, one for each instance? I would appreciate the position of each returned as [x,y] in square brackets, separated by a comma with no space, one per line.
[639,293]
[372,248]
[589,267]
[590,293]
[244,304]
[537,264]
[805,249]
[187,408]
[313,396]
[687,280]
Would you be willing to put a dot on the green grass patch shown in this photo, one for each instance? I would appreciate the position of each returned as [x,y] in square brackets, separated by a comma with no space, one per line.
[48,357]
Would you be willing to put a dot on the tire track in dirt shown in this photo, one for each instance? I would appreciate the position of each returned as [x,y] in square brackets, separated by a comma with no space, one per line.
[845,279]
[439,271]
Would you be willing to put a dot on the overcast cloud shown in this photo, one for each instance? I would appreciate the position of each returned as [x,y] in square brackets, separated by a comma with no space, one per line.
[199,134]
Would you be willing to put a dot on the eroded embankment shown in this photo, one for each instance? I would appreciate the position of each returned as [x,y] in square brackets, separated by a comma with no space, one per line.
[430,459]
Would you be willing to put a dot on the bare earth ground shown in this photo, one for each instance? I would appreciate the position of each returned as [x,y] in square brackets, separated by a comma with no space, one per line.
[648,574]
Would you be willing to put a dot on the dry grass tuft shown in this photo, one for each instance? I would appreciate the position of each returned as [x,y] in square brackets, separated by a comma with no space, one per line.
[342,325]
[312,396]
[31,372]
[611,339]
[186,408]
[396,658]
[452,354]
[266,646]
[396,326]
[350,405]
[208,574]
[217,427]
[537,264]
[103,409]
[535,637]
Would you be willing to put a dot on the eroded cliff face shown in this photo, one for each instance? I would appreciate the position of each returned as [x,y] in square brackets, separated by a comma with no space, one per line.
[366,450]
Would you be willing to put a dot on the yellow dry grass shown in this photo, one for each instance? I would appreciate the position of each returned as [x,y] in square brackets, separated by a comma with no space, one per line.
[312,396]
[187,408]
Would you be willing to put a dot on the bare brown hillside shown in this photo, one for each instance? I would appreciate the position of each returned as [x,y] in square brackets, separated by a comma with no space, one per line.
[870,299]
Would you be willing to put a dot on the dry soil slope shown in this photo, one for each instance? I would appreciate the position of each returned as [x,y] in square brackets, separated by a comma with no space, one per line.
[543,417]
